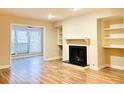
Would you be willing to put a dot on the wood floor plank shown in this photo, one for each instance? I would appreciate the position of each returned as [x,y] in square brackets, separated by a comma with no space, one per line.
[35,71]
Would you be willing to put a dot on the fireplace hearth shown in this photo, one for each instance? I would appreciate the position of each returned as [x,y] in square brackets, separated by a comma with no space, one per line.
[78,55]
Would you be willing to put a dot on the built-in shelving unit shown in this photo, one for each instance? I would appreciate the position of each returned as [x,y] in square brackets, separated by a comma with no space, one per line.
[60,35]
[111,41]
[113,33]
[60,39]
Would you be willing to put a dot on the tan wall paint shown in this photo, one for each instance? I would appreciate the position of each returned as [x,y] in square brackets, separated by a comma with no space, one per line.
[51,49]
[87,25]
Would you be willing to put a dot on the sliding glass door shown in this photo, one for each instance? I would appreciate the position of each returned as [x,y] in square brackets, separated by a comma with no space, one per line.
[22,42]
[25,42]
[35,41]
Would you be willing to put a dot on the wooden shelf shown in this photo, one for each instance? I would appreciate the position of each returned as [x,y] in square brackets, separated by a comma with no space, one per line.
[115,27]
[111,29]
[113,37]
[117,46]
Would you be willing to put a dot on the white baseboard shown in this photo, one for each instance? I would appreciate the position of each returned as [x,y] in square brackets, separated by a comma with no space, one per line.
[100,67]
[112,66]
[53,58]
[117,67]
[6,66]
[94,68]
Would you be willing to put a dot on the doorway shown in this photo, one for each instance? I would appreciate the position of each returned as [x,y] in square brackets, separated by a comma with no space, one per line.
[26,41]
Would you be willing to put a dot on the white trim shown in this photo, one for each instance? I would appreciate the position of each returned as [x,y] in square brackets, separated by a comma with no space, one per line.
[94,67]
[100,67]
[53,58]
[5,66]
[117,67]
[44,36]
[107,65]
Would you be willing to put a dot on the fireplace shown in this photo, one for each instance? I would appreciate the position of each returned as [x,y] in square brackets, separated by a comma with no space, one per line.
[78,55]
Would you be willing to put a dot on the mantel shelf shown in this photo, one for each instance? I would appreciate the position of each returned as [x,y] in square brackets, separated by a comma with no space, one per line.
[78,40]
[77,37]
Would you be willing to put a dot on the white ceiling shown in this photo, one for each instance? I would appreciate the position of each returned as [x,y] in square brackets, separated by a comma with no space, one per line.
[42,13]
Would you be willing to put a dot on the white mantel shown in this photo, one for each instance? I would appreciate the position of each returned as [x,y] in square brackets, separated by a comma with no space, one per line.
[77,40]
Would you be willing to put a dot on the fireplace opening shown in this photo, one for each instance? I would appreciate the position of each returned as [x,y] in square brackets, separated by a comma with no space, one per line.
[78,55]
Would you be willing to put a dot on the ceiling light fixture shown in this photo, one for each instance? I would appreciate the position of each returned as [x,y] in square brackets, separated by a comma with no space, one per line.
[50,16]
[76,9]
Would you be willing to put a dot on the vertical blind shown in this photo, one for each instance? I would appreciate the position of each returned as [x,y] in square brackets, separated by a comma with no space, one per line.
[26,41]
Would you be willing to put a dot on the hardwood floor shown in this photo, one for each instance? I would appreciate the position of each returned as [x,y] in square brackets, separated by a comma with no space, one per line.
[35,70]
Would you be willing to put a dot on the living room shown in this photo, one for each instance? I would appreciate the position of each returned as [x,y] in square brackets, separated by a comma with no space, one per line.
[87,45]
